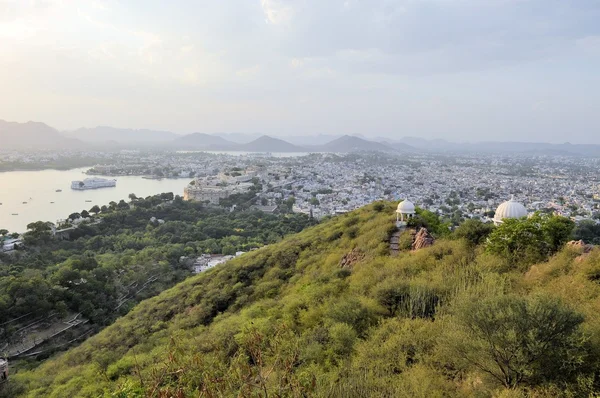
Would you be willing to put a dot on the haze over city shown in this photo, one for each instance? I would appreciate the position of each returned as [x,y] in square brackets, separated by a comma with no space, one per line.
[468,70]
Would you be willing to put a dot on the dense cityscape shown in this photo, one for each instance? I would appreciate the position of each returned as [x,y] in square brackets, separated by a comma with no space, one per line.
[457,186]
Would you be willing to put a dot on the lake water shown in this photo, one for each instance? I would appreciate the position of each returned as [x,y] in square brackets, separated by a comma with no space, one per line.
[38,189]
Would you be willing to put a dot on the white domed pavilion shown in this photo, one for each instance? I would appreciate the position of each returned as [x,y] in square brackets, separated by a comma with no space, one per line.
[405,210]
[509,209]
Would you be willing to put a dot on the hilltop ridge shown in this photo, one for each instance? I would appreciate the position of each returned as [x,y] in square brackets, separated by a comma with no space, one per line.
[293,319]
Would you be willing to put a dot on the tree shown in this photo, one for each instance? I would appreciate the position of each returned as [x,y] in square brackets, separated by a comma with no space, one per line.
[123,205]
[588,231]
[474,231]
[558,230]
[85,214]
[519,340]
[167,196]
[38,232]
[392,295]
[95,209]
[132,197]
[530,240]
[3,232]
[74,216]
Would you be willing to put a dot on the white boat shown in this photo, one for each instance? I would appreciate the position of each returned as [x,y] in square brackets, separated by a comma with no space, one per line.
[93,183]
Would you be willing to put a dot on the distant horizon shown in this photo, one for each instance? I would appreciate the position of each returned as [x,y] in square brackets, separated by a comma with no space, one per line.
[372,137]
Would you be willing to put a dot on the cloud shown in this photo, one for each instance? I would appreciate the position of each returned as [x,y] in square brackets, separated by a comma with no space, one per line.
[277,12]
[400,35]
[345,65]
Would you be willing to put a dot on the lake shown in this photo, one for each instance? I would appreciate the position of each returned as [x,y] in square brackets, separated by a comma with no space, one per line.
[38,189]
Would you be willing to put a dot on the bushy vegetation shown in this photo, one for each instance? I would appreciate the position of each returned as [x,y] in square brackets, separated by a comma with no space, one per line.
[123,256]
[464,317]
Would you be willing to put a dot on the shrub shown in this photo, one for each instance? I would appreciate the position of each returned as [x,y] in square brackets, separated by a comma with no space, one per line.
[474,231]
[518,340]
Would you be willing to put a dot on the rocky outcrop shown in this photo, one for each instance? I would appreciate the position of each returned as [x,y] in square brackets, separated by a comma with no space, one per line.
[351,258]
[422,239]
[579,244]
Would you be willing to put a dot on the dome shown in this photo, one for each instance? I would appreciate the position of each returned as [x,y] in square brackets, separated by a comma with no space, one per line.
[406,207]
[510,209]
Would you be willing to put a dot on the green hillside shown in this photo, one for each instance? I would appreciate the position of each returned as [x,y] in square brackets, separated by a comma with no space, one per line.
[451,320]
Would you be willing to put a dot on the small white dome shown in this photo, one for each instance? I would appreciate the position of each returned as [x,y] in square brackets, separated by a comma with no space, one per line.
[510,209]
[406,207]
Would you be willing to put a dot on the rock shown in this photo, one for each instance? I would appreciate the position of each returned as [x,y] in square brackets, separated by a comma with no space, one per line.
[579,244]
[422,239]
[351,258]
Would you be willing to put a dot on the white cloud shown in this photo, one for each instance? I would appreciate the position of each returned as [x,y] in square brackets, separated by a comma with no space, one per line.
[349,64]
[277,12]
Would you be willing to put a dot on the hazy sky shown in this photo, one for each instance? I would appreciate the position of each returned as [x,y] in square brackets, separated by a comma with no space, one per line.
[456,69]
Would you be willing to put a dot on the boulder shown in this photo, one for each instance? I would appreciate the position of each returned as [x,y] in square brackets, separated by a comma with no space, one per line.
[579,244]
[351,258]
[422,239]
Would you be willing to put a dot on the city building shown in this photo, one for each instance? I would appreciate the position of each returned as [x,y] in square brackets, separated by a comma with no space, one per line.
[509,209]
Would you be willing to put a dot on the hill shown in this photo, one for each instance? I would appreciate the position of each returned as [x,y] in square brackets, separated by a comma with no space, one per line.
[106,134]
[202,141]
[349,143]
[269,144]
[33,135]
[541,148]
[329,312]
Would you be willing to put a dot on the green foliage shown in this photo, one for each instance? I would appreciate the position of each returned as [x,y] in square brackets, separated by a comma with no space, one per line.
[588,231]
[429,220]
[530,240]
[288,320]
[474,231]
[519,340]
[124,255]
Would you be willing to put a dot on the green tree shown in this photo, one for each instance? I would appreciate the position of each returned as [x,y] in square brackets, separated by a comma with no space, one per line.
[74,216]
[392,295]
[474,231]
[588,231]
[38,232]
[530,240]
[558,230]
[518,340]
[95,209]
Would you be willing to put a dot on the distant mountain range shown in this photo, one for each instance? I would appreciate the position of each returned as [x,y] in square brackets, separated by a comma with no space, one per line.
[34,136]
[348,143]
[106,134]
[40,136]
[197,141]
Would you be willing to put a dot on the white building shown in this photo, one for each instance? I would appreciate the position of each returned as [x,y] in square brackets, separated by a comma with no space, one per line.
[405,210]
[509,209]
[202,192]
